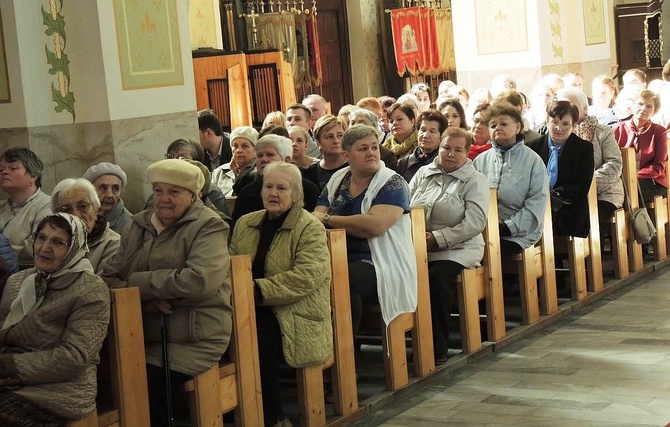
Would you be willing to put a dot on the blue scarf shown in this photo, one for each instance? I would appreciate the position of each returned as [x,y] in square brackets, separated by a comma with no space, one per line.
[552,164]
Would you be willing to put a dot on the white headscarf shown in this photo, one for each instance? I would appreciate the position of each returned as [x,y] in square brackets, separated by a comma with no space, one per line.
[32,290]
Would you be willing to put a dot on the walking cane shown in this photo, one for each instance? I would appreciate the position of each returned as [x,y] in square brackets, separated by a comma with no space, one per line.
[166,368]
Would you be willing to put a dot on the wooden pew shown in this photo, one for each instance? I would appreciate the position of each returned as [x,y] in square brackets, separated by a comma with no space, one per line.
[342,364]
[128,365]
[480,283]
[419,322]
[535,266]
[584,257]
[619,232]
[230,201]
[629,175]
[658,210]
[594,258]
[233,385]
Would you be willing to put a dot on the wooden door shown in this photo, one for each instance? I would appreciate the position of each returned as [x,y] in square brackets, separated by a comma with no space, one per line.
[334,44]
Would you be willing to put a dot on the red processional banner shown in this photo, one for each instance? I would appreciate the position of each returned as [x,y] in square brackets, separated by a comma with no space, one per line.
[314,51]
[431,52]
[408,40]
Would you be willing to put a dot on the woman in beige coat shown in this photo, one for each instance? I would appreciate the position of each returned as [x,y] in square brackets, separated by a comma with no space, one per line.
[176,254]
[292,282]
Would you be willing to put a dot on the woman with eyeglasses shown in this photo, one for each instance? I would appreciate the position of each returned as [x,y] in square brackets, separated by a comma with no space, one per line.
[79,198]
[185,149]
[606,156]
[53,320]
[570,165]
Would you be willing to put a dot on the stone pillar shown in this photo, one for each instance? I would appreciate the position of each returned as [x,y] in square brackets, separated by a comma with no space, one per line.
[528,39]
[94,81]
[363,20]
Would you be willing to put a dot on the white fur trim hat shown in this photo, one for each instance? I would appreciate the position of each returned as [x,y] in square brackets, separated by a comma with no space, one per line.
[177,172]
[246,132]
[105,168]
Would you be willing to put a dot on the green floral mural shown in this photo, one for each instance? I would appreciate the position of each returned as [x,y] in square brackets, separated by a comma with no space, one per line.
[555,25]
[57,59]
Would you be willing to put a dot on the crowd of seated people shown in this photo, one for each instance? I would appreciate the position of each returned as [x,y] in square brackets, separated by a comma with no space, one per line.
[305,171]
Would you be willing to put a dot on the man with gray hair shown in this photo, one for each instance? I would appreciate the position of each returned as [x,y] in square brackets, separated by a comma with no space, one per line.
[269,149]
[109,181]
[318,105]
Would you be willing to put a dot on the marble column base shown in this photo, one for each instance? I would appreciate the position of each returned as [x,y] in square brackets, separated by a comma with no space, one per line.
[68,150]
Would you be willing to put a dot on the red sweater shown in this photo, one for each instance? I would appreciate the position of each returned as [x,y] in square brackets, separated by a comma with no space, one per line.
[476,150]
[652,149]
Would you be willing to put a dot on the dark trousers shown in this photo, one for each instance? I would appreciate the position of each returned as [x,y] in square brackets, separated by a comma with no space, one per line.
[442,276]
[605,212]
[651,189]
[508,247]
[158,393]
[270,356]
[362,290]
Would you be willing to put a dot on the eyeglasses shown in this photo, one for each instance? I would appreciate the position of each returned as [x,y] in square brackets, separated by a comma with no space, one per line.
[56,242]
[177,156]
[81,207]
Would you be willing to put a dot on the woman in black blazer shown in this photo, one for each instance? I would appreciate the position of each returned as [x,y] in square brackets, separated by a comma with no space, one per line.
[570,171]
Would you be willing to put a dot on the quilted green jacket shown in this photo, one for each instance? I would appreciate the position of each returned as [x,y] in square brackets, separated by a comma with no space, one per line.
[296,283]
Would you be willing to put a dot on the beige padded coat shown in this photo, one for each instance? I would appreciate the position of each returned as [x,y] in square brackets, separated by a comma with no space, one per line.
[188,265]
[54,350]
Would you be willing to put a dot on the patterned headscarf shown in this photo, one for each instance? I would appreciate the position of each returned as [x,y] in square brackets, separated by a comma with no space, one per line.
[587,128]
[34,286]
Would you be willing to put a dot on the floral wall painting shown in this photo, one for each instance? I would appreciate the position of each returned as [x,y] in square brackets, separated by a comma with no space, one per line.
[57,60]
[202,24]
[4,74]
[149,43]
[594,21]
[555,27]
[501,26]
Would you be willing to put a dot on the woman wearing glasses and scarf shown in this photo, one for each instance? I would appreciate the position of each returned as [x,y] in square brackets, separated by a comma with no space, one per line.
[53,320]
[79,198]
[569,162]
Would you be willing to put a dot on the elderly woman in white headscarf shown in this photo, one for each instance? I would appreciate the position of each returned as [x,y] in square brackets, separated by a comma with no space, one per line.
[176,254]
[53,320]
[79,198]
